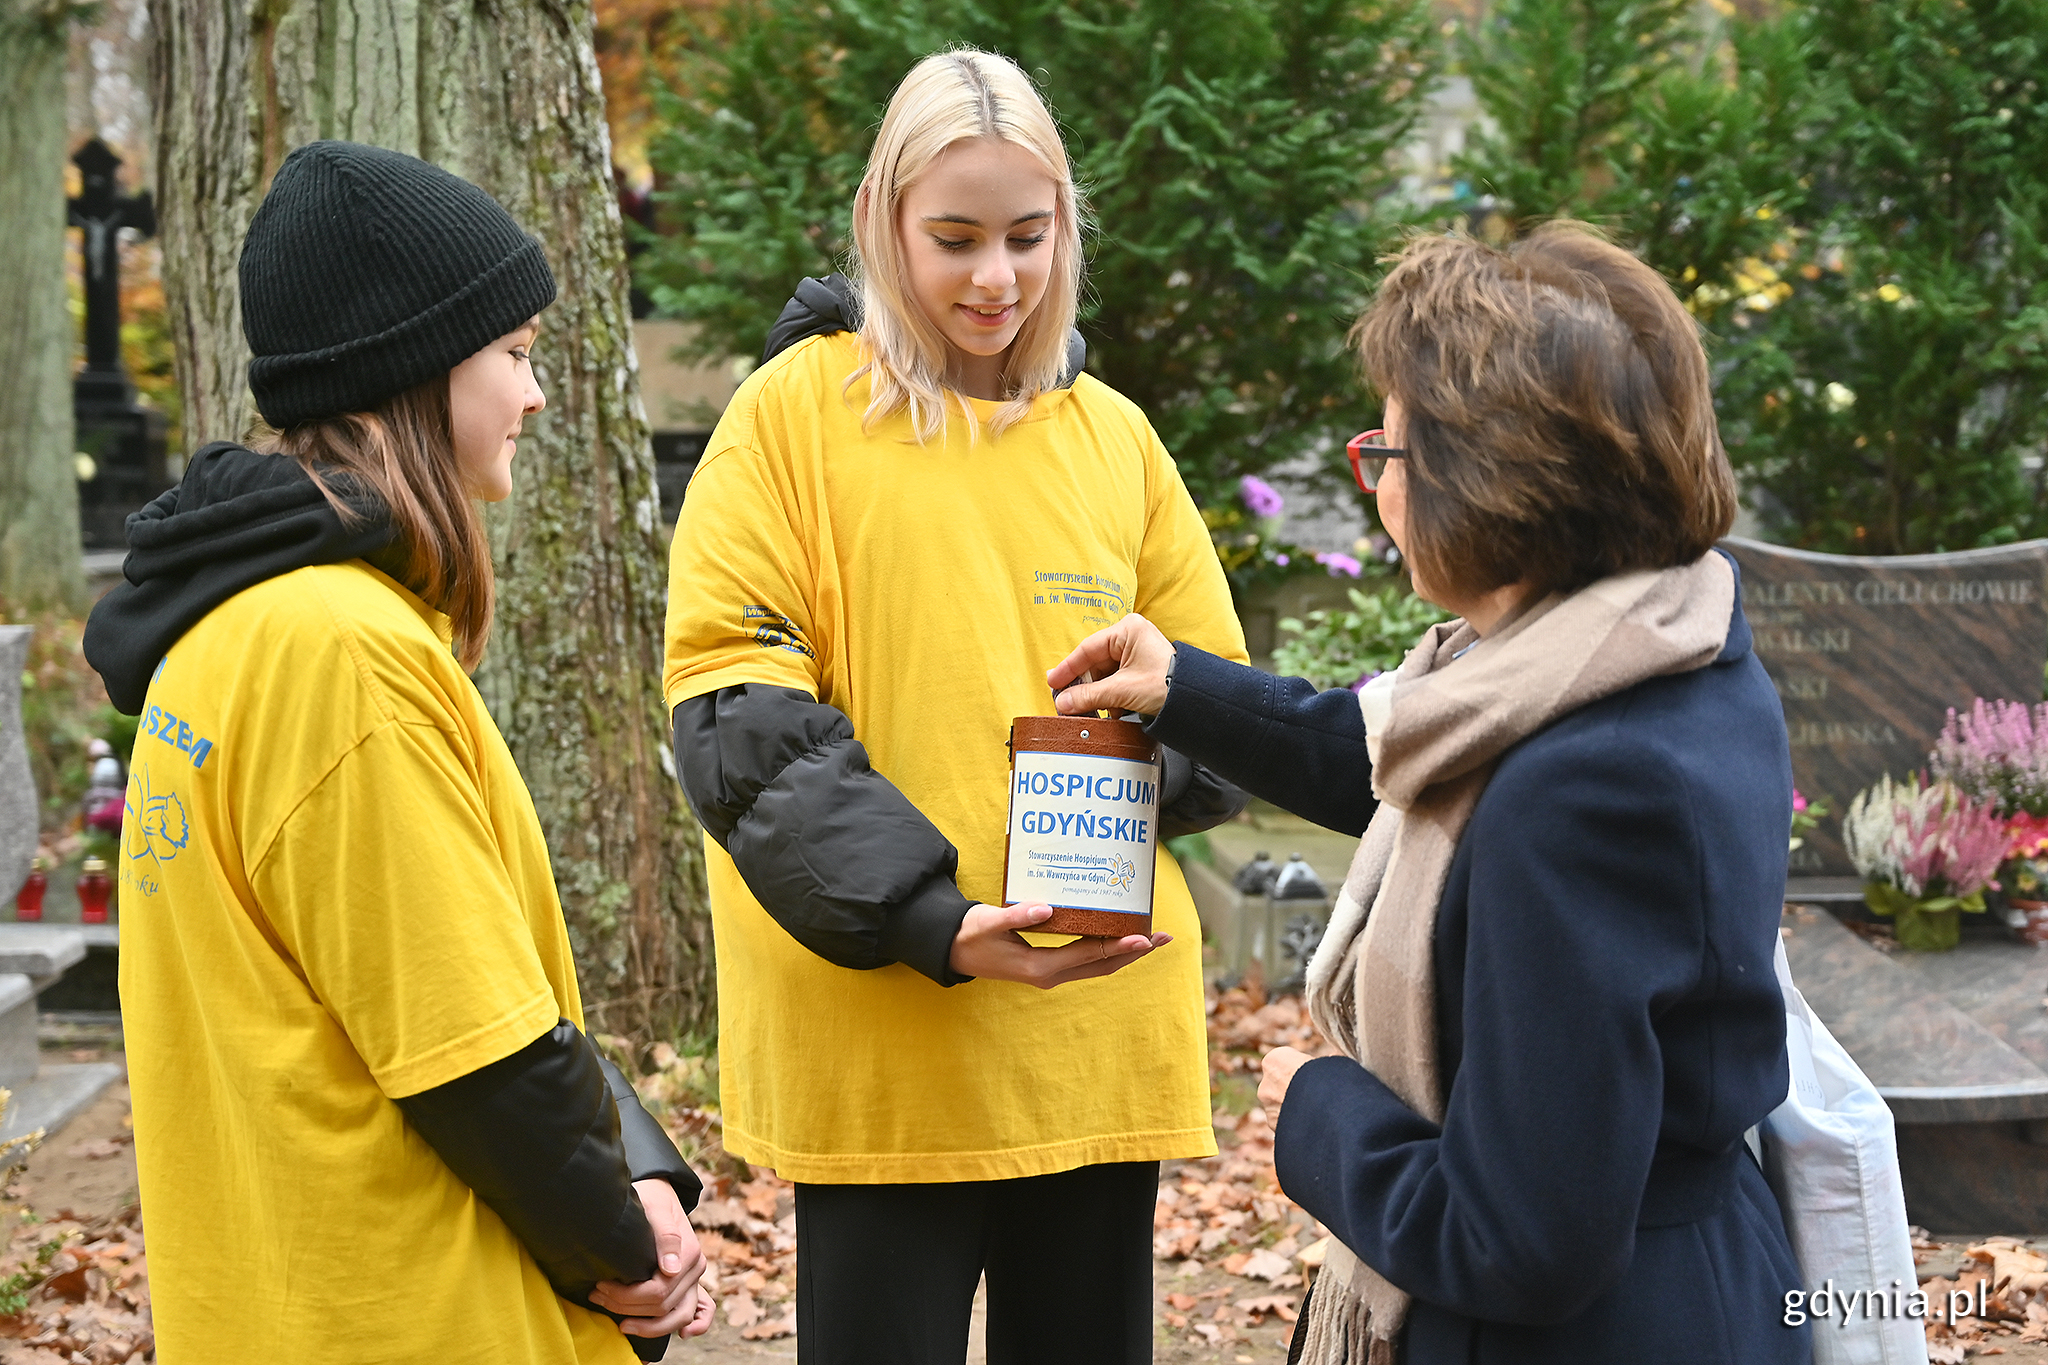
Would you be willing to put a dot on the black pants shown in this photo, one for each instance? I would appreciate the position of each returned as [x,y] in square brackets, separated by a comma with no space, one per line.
[885,1274]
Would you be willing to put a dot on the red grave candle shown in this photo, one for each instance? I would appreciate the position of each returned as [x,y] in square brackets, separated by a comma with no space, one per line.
[94,887]
[28,902]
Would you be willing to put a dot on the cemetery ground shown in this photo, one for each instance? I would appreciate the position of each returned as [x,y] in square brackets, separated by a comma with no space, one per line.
[1232,1251]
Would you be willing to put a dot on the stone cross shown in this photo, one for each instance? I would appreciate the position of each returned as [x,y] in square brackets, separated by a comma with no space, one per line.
[101,210]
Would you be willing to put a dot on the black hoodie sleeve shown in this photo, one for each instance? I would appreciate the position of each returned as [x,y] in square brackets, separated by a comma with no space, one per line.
[553,1138]
[1191,798]
[537,1136]
[829,846]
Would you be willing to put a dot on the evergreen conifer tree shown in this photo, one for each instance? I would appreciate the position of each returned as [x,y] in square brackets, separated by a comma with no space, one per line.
[1850,198]
[1895,399]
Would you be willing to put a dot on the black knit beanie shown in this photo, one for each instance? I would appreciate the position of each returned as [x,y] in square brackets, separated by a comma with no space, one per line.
[367,271]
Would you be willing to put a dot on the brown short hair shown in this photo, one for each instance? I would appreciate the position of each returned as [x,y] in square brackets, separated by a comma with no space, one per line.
[403,450]
[1560,423]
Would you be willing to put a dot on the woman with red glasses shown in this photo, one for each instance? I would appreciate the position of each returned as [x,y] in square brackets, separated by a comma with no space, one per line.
[1550,973]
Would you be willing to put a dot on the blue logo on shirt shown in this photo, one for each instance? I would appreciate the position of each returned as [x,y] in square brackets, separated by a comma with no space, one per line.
[154,826]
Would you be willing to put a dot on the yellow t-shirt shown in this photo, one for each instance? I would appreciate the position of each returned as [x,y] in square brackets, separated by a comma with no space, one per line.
[334,892]
[924,590]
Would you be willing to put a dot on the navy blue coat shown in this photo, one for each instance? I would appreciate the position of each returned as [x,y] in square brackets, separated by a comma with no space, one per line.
[1608,1018]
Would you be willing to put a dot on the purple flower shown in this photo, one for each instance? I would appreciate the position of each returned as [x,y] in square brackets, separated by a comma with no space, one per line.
[1260,496]
[1365,678]
[1339,563]
[1997,753]
[1281,560]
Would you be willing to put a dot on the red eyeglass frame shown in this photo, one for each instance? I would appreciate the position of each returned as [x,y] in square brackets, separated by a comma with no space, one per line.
[1356,448]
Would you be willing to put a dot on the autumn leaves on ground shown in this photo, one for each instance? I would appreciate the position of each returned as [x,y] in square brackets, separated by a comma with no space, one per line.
[1232,1249]
[1233,1252]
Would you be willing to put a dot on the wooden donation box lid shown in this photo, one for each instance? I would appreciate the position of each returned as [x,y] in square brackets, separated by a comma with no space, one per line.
[1084,823]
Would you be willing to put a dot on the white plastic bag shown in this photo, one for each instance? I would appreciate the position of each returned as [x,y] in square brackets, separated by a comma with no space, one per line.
[1829,1153]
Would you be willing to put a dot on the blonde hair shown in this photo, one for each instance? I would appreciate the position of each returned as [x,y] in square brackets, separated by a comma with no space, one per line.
[952,97]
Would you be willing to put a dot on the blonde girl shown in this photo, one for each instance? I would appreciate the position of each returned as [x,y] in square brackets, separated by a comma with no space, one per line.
[905,516]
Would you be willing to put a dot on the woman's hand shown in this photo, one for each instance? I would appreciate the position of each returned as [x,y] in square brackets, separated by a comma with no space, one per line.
[988,946]
[1130,660]
[671,1300]
[1276,1073]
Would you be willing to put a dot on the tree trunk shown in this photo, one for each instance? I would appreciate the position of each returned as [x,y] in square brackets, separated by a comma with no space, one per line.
[39,541]
[504,93]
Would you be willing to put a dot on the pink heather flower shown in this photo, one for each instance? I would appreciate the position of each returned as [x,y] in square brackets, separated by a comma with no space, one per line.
[1339,563]
[1997,754]
[1927,839]
[1261,497]
[1798,801]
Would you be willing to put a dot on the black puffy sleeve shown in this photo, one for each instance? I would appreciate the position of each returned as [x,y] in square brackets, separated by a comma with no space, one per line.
[828,846]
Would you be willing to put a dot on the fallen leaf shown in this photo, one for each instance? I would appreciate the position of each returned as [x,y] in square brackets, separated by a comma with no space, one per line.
[721,1214]
[1263,1265]
[70,1284]
[1269,1305]
[2012,1265]
[741,1310]
[1313,1254]
[784,1326]
[1182,1301]
[760,1200]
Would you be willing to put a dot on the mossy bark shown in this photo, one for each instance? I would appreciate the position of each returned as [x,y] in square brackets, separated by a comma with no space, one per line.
[507,95]
[39,544]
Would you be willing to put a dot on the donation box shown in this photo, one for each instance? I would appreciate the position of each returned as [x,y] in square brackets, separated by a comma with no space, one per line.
[1084,823]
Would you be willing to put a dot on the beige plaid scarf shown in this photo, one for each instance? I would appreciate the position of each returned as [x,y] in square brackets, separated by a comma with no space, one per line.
[1435,730]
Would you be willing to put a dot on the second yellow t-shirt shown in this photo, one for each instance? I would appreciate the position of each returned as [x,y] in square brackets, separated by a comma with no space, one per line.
[334,893]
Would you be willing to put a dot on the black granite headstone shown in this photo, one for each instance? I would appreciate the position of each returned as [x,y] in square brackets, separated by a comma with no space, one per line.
[122,440]
[1868,655]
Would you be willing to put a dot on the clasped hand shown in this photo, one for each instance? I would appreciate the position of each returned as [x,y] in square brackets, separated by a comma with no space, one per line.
[672,1300]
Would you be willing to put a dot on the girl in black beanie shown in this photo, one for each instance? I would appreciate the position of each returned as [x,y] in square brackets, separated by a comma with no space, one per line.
[367,1124]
